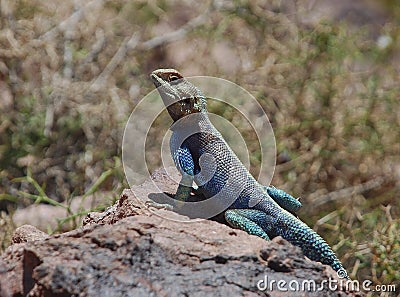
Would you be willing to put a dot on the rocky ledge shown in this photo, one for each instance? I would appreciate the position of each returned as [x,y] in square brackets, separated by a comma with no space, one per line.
[129,250]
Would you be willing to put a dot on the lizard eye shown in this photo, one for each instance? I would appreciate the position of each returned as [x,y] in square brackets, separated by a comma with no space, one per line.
[173,77]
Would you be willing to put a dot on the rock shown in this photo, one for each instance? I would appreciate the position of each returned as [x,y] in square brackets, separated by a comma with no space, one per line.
[28,233]
[131,251]
[45,216]
[42,216]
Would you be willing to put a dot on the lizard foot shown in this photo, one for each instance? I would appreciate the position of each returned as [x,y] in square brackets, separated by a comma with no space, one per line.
[248,220]
[151,203]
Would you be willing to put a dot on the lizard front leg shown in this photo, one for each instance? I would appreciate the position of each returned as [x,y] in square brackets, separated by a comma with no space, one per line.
[184,162]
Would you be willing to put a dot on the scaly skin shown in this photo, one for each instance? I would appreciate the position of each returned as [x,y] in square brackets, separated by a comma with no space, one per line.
[257,209]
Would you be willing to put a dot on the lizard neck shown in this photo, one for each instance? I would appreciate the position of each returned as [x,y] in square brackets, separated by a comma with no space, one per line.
[198,122]
[181,104]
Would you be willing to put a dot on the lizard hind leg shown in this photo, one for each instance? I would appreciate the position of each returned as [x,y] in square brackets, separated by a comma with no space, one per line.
[252,221]
[285,200]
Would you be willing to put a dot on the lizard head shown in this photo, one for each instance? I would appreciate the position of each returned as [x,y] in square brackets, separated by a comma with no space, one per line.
[179,95]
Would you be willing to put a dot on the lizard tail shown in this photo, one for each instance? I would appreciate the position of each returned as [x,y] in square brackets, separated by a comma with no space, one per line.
[312,245]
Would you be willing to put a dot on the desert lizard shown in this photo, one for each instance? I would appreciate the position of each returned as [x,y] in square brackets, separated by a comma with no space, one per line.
[260,210]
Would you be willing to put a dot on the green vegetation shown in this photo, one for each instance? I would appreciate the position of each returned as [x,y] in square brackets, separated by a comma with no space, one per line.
[329,88]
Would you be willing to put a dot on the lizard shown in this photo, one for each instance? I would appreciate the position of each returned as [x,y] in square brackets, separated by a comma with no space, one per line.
[264,211]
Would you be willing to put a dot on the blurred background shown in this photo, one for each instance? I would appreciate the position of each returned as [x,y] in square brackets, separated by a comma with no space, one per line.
[326,73]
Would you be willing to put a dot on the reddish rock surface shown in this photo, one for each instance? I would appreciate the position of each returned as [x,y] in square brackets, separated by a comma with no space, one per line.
[130,251]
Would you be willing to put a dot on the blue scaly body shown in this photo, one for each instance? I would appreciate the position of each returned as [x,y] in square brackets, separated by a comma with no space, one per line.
[202,156]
